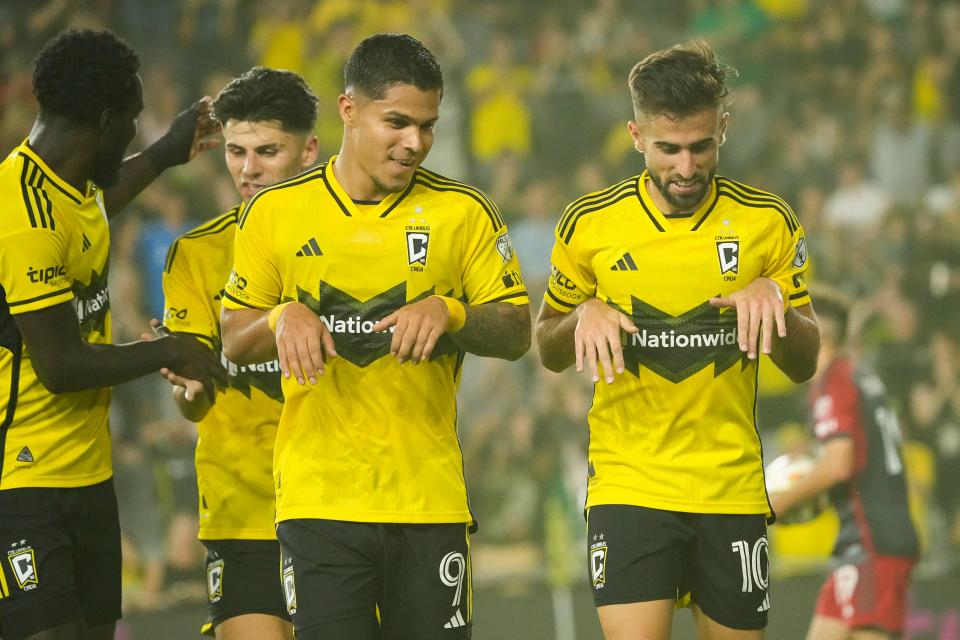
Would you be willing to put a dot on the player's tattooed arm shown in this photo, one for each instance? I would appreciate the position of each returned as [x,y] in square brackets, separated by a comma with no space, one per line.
[496,330]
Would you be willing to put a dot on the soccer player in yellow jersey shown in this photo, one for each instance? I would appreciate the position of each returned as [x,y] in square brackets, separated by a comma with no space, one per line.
[668,285]
[60,569]
[371,278]
[268,116]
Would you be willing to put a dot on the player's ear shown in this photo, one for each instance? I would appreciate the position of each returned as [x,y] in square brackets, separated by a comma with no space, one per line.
[348,109]
[106,120]
[635,134]
[310,151]
[724,121]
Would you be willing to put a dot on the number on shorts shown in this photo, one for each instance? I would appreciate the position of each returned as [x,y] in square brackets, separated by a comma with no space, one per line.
[754,563]
[453,568]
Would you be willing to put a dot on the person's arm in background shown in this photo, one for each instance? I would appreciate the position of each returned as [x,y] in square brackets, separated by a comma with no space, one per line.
[188,135]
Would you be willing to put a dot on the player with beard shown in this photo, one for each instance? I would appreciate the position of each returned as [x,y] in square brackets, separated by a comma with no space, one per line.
[58,513]
[371,277]
[668,286]
[267,117]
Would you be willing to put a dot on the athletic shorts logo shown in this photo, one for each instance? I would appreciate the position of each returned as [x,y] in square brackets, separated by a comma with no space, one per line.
[453,568]
[215,580]
[598,564]
[24,567]
[289,589]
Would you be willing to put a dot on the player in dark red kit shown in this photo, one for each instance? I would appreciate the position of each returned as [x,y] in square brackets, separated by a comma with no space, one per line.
[861,466]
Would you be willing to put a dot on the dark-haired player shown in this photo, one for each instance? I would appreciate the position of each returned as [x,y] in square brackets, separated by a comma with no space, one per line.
[668,285]
[60,569]
[267,117]
[377,276]
[861,466]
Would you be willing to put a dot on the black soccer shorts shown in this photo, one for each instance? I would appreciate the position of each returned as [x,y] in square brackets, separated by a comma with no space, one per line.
[361,581]
[243,576]
[636,554]
[59,558]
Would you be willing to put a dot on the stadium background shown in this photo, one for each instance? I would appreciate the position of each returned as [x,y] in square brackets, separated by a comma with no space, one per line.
[848,108]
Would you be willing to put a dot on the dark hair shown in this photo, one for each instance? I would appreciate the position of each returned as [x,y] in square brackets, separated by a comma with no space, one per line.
[833,306]
[386,59]
[268,94]
[79,73]
[679,81]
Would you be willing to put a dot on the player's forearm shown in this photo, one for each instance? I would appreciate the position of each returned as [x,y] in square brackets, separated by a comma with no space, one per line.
[137,173]
[247,338]
[193,410]
[796,353]
[90,366]
[496,330]
[555,342]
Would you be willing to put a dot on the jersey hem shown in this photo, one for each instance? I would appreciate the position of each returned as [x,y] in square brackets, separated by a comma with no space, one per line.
[57,482]
[736,508]
[391,517]
[234,534]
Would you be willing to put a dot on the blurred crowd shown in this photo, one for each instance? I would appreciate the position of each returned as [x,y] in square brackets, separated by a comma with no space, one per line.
[849,109]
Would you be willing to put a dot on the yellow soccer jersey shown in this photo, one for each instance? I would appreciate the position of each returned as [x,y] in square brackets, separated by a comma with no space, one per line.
[677,431]
[235,451]
[54,248]
[374,440]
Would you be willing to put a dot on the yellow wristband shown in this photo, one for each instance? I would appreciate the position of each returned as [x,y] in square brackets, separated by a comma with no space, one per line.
[274,316]
[458,313]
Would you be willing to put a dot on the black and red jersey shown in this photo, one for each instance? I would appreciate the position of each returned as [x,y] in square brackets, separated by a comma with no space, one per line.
[851,402]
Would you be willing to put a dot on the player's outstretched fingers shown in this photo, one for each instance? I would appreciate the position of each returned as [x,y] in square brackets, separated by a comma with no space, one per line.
[756,322]
[283,357]
[314,346]
[431,341]
[607,349]
[304,368]
[328,344]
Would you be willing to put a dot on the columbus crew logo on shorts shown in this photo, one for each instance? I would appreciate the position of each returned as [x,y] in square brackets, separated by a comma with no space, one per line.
[215,580]
[24,565]
[289,587]
[598,562]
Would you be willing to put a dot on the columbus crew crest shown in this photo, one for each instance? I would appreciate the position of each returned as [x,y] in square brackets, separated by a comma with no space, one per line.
[215,580]
[289,589]
[598,564]
[24,566]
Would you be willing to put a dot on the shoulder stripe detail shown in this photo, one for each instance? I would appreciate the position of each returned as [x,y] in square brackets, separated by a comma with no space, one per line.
[562,303]
[625,193]
[223,225]
[591,198]
[52,294]
[59,188]
[241,302]
[799,294]
[171,253]
[489,205]
[214,222]
[736,197]
[38,203]
[306,176]
[762,198]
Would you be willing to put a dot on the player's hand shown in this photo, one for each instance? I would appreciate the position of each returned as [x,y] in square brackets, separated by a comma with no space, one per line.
[597,338]
[303,343]
[417,327]
[190,133]
[191,388]
[194,361]
[759,308]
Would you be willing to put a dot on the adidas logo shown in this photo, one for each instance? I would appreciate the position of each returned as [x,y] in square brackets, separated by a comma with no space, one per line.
[25,455]
[765,605]
[625,263]
[310,249]
[456,621]
[86,243]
